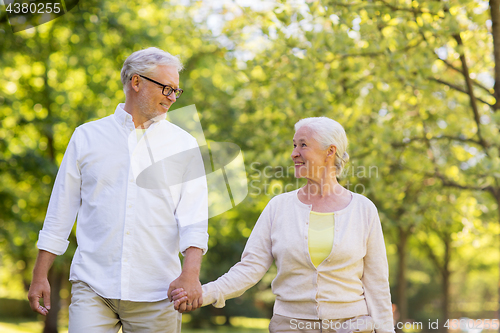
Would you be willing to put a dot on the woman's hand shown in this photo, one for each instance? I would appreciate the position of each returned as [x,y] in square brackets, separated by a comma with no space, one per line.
[179,297]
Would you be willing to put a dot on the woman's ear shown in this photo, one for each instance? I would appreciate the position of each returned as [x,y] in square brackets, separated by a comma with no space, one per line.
[331,151]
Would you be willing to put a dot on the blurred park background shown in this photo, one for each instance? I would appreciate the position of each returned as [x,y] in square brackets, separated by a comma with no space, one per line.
[412,82]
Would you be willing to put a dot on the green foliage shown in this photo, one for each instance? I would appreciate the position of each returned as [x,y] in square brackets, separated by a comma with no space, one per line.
[391,72]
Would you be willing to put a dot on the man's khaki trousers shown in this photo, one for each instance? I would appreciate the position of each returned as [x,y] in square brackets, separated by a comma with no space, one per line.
[91,313]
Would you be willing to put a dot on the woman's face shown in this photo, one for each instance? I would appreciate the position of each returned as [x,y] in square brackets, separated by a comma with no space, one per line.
[307,155]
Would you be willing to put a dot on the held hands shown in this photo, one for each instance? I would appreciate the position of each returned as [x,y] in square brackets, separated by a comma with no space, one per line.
[40,289]
[186,293]
[179,297]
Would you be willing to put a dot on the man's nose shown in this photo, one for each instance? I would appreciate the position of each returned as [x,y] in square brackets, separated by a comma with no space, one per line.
[294,153]
[172,97]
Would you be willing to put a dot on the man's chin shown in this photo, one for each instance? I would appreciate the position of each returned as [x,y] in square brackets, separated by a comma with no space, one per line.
[159,116]
[154,115]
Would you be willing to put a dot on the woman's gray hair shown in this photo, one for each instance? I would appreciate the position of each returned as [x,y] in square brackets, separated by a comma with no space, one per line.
[328,132]
[144,62]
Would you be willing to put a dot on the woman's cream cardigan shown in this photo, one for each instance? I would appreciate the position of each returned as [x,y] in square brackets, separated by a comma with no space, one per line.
[352,281]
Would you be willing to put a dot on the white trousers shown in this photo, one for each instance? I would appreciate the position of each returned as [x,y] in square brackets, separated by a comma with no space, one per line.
[359,324]
[91,313]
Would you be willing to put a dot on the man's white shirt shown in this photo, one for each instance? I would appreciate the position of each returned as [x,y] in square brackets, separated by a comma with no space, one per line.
[139,202]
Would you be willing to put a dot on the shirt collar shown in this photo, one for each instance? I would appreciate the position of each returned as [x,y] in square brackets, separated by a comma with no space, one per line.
[125,119]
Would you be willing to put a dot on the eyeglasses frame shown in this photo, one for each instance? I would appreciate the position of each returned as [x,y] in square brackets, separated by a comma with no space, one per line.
[172,89]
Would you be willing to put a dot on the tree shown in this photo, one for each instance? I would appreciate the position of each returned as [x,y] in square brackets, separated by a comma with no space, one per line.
[411,82]
[390,71]
[64,73]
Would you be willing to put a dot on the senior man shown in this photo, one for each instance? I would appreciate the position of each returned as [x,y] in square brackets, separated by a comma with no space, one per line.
[138,187]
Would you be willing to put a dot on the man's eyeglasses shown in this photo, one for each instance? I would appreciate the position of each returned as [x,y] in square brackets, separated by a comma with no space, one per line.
[167,90]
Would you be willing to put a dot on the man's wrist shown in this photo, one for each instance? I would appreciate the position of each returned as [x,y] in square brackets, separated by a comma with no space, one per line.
[191,273]
[40,277]
[192,262]
[193,248]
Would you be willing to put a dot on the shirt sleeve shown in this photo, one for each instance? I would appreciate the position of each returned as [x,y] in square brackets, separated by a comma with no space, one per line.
[192,210]
[255,262]
[376,279]
[64,202]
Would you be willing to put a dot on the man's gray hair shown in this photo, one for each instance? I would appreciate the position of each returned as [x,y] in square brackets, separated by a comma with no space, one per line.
[328,132]
[144,62]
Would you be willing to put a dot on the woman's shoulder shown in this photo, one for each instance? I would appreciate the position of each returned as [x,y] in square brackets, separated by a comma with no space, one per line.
[284,197]
[364,203]
[282,201]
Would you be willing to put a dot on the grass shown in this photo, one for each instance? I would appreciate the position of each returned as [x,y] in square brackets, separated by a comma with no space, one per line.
[22,326]
[32,326]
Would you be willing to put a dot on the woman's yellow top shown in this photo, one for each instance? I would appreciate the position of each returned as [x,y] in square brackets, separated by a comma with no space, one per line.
[321,232]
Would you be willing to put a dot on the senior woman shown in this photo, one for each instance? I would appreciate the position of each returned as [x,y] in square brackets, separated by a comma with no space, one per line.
[332,272]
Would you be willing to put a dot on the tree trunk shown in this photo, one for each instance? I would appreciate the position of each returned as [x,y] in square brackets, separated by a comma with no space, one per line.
[446,281]
[446,298]
[497,197]
[443,268]
[402,284]
[56,276]
[495,32]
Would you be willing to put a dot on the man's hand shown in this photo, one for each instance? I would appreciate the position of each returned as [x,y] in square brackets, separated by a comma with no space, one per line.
[192,294]
[40,290]
[40,287]
[189,281]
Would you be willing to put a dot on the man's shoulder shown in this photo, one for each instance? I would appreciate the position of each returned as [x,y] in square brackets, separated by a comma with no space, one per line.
[176,131]
[95,124]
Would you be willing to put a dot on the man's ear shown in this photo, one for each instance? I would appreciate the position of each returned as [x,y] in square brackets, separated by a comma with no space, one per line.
[134,82]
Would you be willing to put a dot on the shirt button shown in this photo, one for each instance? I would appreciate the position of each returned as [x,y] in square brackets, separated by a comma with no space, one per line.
[128,233]
[129,206]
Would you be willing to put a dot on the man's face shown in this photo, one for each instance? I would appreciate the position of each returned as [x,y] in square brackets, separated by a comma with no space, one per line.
[152,102]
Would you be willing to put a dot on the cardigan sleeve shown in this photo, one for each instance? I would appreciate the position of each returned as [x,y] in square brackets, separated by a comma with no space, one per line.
[375,279]
[255,262]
